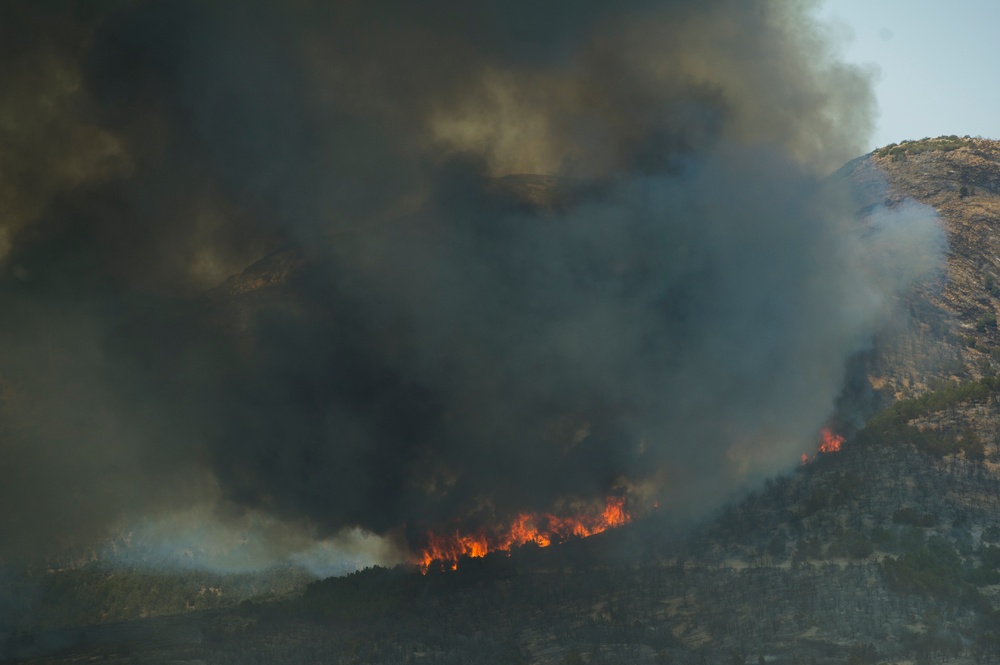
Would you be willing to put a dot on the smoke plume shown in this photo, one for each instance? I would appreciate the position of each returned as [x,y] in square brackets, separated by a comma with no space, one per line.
[372,267]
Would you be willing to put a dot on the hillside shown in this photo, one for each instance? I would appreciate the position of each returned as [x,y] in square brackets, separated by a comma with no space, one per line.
[951,332]
[882,552]
[887,551]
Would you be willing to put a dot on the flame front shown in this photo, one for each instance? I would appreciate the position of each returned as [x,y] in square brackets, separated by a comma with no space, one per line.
[831,442]
[542,529]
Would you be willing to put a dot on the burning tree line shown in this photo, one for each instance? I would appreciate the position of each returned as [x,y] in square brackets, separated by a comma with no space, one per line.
[829,443]
[447,548]
[542,529]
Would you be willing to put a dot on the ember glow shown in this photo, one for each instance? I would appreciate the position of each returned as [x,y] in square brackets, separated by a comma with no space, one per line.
[829,443]
[542,529]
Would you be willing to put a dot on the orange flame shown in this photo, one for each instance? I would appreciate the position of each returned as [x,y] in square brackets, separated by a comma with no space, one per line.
[542,529]
[831,442]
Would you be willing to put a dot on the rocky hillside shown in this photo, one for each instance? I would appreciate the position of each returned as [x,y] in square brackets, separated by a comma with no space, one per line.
[952,330]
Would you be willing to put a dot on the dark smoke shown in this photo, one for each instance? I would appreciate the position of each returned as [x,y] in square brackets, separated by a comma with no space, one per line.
[273,259]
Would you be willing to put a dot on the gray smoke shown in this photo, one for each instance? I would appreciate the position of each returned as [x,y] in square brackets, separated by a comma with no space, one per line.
[412,332]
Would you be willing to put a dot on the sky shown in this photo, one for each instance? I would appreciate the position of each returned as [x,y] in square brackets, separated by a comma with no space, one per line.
[936,64]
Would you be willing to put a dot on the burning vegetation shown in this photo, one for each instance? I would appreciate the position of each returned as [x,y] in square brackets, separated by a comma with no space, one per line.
[542,529]
[828,443]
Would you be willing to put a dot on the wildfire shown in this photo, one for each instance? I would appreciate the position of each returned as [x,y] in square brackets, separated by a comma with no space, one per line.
[829,443]
[542,529]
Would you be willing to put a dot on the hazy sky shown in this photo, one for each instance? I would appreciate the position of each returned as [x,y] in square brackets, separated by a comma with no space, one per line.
[938,64]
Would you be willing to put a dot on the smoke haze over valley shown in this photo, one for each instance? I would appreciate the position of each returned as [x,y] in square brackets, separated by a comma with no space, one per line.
[304,281]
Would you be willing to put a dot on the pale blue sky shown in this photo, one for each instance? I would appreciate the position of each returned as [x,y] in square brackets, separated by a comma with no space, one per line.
[938,63]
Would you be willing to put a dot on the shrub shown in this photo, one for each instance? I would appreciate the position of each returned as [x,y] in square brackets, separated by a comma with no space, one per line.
[911,517]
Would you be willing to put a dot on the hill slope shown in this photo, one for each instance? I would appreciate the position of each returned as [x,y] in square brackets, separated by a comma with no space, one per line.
[888,551]
[952,332]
